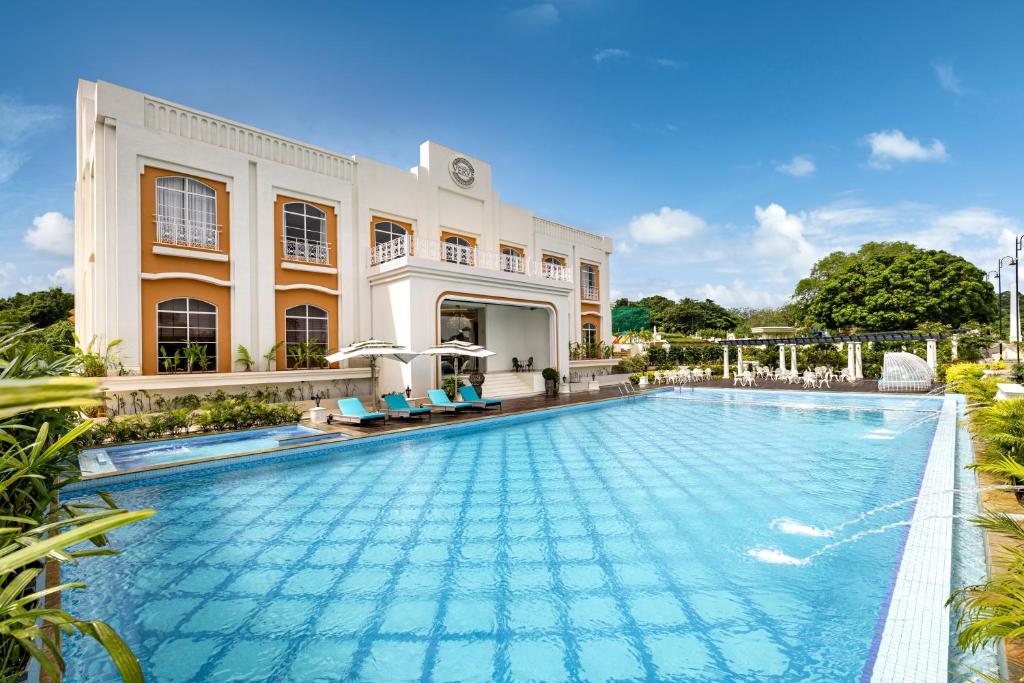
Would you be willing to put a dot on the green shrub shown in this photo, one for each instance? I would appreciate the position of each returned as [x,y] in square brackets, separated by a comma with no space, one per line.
[635,378]
[959,371]
[1017,372]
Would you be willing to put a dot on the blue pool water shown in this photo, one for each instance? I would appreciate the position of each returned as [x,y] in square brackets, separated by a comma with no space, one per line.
[134,456]
[600,544]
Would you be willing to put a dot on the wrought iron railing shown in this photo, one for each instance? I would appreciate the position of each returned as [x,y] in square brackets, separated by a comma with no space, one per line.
[473,257]
[309,251]
[589,293]
[186,233]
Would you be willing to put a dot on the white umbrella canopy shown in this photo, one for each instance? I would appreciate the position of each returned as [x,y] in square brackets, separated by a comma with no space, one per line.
[373,349]
[457,348]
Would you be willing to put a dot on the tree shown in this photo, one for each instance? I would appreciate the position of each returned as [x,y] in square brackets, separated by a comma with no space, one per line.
[626,317]
[894,285]
[41,309]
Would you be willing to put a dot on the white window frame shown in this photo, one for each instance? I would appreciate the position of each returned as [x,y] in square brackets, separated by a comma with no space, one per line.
[193,222]
[212,346]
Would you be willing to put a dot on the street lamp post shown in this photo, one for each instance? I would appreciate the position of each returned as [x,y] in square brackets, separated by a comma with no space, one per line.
[1015,295]
[999,302]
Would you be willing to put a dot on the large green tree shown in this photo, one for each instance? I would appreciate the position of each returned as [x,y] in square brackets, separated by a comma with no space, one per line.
[41,309]
[686,315]
[894,285]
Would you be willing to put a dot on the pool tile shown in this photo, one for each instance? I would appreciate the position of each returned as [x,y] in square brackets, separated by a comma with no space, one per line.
[409,616]
[470,616]
[609,660]
[309,582]
[220,616]
[182,658]
[594,613]
[533,614]
[322,660]
[394,661]
[678,656]
[752,653]
[247,660]
[459,662]
[657,610]
[346,617]
[282,616]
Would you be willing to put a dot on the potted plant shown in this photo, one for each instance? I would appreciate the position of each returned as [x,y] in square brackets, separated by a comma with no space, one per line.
[476,378]
[245,358]
[550,376]
[271,355]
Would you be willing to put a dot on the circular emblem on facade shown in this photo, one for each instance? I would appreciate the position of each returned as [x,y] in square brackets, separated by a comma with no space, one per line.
[462,171]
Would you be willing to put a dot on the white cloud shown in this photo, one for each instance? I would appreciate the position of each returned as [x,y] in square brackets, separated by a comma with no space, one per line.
[611,54]
[739,295]
[64,278]
[948,80]
[799,166]
[536,16]
[888,146]
[667,63]
[779,238]
[19,122]
[52,232]
[667,226]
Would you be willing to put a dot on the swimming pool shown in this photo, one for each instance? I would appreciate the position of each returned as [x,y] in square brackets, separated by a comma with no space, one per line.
[617,542]
[167,451]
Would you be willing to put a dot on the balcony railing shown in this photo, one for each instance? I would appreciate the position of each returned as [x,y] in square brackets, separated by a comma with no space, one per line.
[590,293]
[472,257]
[309,251]
[184,233]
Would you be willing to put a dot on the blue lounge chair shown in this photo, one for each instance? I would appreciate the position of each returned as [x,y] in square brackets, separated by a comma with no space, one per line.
[353,412]
[468,393]
[440,401]
[398,406]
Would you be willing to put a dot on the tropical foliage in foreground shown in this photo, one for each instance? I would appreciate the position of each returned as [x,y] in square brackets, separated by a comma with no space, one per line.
[39,425]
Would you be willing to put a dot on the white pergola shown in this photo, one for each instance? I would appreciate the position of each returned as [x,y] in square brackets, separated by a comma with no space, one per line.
[853,344]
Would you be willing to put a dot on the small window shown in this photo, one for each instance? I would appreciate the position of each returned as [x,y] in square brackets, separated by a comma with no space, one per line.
[304,222]
[589,335]
[186,333]
[588,282]
[512,260]
[186,213]
[385,231]
[305,336]
[389,242]
[458,250]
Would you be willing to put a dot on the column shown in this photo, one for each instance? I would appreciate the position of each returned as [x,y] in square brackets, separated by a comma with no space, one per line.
[792,358]
[1014,323]
[851,366]
[739,360]
[858,362]
[782,358]
[954,349]
[725,361]
[931,353]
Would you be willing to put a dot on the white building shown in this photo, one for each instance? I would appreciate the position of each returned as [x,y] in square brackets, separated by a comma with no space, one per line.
[195,234]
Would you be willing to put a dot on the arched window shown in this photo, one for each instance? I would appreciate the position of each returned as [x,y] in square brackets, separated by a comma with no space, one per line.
[186,335]
[186,213]
[305,336]
[589,334]
[553,267]
[385,247]
[512,260]
[458,250]
[588,282]
[305,233]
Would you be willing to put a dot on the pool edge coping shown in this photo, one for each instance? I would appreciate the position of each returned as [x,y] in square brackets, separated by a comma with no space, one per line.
[911,641]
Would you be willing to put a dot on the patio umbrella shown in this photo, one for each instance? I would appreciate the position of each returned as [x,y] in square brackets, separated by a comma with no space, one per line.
[458,349]
[373,349]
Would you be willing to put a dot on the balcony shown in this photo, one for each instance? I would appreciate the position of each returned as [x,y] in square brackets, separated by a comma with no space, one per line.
[590,293]
[187,233]
[307,251]
[472,257]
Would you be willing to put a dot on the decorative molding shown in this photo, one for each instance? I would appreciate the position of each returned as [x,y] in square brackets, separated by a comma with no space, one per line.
[189,253]
[196,125]
[186,276]
[315,288]
[324,270]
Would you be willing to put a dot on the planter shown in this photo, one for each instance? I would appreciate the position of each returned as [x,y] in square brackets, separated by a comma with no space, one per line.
[643,380]
[550,388]
[476,380]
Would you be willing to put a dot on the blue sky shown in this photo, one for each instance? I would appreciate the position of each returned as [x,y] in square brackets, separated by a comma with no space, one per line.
[724,145]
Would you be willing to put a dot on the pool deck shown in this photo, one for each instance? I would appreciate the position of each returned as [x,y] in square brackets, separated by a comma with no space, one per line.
[509,406]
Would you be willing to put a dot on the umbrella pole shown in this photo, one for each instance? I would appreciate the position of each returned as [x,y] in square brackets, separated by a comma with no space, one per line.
[373,380]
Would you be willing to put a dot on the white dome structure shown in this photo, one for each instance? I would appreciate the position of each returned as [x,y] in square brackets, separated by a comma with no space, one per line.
[902,371]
